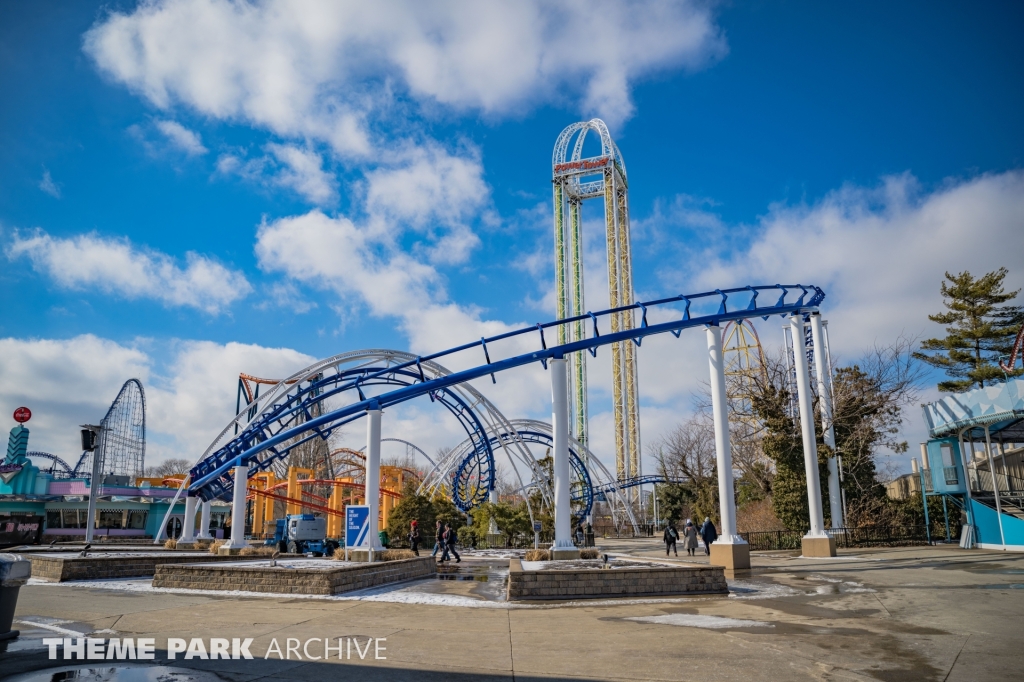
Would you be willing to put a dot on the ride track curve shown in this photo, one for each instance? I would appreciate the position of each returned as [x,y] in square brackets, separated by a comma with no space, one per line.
[282,415]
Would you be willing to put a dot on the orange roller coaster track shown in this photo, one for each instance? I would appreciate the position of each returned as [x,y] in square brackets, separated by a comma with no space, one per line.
[308,505]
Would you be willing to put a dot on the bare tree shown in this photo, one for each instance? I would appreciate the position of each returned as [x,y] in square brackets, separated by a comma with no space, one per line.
[687,453]
[169,467]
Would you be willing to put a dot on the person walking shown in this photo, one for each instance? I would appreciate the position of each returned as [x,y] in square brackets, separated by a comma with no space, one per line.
[414,537]
[438,541]
[669,537]
[709,533]
[449,539]
[580,536]
[690,538]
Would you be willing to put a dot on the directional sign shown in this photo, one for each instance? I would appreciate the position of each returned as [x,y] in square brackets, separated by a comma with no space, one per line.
[22,415]
[357,526]
[536,526]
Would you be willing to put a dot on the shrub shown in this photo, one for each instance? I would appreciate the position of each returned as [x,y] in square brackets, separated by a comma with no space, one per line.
[171,543]
[589,553]
[396,554]
[258,550]
[538,555]
[216,545]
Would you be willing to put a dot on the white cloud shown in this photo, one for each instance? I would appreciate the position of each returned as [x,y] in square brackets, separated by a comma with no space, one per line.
[428,185]
[198,389]
[301,69]
[65,383]
[287,166]
[880,253]
[118,267]
[303,172]
[189,400]
[182,138]
[49,186]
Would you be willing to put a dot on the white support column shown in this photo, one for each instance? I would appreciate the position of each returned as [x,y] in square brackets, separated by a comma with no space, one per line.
[492,527]
[805,404]
[204,521]
[995,484]
[723,448]
[824,372]
[729,550]
[188,531]
[373,476]
[563,545]
[237,540]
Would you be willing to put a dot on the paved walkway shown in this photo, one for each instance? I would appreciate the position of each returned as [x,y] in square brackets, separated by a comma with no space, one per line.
[921,613]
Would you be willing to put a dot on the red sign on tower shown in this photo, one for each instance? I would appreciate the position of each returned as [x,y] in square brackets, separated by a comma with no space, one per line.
[22,415]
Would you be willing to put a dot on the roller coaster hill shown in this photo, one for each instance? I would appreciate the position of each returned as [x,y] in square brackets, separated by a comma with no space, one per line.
[293,420]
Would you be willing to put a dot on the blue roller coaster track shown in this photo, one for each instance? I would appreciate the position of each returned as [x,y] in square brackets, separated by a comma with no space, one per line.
[271,433]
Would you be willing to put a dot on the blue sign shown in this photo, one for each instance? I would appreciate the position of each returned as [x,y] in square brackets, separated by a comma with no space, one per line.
[357,525]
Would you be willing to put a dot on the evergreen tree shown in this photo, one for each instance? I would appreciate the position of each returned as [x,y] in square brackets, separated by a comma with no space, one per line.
[979,329]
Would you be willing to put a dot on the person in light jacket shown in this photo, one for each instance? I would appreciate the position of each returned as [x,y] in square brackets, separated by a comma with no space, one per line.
[690,538]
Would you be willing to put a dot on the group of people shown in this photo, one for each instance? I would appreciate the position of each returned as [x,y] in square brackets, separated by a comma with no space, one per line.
[445,538]
[707,532]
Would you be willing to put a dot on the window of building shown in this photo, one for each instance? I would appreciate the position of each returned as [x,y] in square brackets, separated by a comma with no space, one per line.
[136,519]
[111,518]
[71,519]
[947,455]
[53,518]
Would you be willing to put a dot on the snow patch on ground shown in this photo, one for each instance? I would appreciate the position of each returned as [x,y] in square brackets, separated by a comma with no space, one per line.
[693,620]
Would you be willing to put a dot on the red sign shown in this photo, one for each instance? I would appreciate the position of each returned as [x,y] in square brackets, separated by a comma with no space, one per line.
[22,415]
[586,164]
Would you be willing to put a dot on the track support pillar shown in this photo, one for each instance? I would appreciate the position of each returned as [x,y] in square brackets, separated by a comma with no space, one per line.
[817,542]
[563,547]
[373,476]
[729,550]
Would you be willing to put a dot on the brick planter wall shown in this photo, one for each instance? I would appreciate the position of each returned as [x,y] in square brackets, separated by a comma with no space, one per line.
[97,566]
[656,580]
[293,580]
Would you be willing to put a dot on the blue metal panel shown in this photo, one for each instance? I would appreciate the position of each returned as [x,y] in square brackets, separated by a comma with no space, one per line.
[946,466]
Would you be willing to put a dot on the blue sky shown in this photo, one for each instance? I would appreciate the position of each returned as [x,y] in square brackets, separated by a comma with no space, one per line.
[190,189]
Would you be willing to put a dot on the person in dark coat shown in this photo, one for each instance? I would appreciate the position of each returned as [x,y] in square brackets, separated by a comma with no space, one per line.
[669,537]
[709,533]
[438,540]
[414,537]
[449,539]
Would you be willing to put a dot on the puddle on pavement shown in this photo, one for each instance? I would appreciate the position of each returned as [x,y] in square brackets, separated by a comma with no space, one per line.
[156,673]
[480,580]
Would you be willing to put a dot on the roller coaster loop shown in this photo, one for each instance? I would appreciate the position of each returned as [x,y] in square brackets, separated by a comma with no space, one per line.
[211,477]
[1016,350]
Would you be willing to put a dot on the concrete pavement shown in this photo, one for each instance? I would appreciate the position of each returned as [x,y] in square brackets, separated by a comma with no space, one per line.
[920,613]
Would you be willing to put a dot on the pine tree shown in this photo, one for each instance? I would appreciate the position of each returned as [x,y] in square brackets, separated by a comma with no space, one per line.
[979,329]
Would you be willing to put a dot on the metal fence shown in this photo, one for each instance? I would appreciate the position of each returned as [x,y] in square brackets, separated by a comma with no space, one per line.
[865,536]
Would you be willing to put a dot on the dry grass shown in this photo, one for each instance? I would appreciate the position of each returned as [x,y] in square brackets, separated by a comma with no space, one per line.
[386,555]
[757,516]
[589,553]
[216,545]
[538,555]
[171,543]
[258,550]
[203,544]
